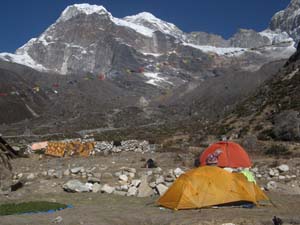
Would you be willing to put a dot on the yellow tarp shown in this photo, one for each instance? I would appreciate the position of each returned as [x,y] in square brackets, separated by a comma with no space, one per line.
[61,149]
[209,186]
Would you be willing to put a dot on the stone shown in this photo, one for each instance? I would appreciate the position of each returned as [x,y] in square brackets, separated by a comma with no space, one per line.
[169,178]
[159,180]
[93,180]
[67,172]
[16,148]
[124,187]
[51,172]
[281,177]
[132,175]
[135,182]
[31,176]
[168,184]
[152,184]
[144,190]
[178,172]
[58,219]
[161,189]
[107,189]
[89,186]
[149,172]
[157,170]
[58,174]
[132,191]
[117,174]
[76,170]
[271,185]
[123,177]
[258,175]
[75,186]
[271,173]
[283,168]
[96,188]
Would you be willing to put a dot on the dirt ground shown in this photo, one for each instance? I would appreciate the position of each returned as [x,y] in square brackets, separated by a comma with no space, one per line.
[109,209]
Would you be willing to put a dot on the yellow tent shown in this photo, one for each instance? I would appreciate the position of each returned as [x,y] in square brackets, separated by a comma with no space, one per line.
[209,186]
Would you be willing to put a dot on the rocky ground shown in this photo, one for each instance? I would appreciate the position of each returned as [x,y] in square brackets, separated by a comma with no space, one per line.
[113,187]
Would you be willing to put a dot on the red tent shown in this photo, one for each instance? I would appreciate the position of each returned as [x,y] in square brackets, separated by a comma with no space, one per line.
[141,70]
[101,77]
[231,155]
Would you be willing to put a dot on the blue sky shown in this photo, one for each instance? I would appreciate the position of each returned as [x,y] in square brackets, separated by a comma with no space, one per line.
[21,20]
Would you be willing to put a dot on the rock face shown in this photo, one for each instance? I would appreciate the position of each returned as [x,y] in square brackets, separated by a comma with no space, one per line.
[248,39]
[288,20]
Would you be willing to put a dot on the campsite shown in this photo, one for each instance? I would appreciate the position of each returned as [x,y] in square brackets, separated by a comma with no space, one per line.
[123,187]
[150,112]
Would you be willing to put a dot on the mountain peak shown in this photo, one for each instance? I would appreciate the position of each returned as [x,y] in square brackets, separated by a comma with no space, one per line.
[84,8]
[150,21]
[142,15]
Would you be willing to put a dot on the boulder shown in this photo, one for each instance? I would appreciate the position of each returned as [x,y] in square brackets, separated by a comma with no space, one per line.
[107,189]
[67,172]
[161,189]
[159,180]
[157,170]
[271,185]
[132,191]
[75,186]
[58,174]
[135,182]
[123,177]
[169,178]
[77,170]
[144,190]
[283,168]
[178,172]
[89,185]
[31,176]
[96,188]
[51,172]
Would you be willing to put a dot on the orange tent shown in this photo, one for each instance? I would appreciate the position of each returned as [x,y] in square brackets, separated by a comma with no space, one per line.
[231,155]
[208,186]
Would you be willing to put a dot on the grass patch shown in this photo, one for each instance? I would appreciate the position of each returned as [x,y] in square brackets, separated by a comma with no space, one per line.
[29,207]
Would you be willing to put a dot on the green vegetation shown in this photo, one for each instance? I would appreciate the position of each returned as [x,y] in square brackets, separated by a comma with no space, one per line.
[277,150]
[29,207]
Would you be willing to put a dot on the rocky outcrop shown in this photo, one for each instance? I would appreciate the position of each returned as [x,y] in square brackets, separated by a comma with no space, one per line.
[288,20]
[248,39]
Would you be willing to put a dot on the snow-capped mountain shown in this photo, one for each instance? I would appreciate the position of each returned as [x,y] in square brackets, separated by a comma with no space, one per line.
[288,20]
[87,38]
[135,70]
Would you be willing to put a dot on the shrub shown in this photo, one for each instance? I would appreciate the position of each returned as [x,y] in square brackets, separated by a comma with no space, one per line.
[277,150]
